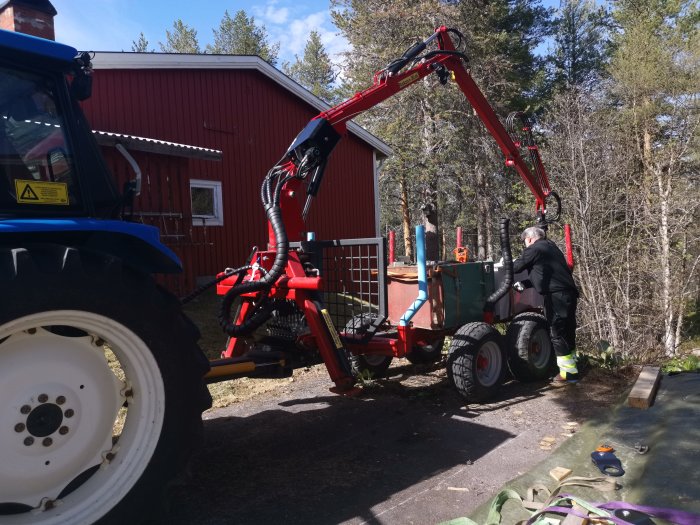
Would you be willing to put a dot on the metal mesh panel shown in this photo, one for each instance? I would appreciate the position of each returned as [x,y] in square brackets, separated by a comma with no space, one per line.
[354,275]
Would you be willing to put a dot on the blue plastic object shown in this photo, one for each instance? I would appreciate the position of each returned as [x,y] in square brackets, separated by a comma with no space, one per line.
[607,463]
[422,278]
[37,46]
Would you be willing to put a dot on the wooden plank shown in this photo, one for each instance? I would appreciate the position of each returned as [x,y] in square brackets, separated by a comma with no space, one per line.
[644,390]
[559,473]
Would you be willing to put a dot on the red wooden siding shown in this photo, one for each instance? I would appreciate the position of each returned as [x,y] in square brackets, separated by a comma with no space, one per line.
[252,120]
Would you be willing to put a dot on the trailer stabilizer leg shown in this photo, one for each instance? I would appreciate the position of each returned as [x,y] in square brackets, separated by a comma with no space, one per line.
[331,348]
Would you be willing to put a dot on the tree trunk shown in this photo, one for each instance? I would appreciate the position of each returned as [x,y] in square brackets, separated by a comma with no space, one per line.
[482,228]
[430,222]
[406,218]
[665,255]
[430,202]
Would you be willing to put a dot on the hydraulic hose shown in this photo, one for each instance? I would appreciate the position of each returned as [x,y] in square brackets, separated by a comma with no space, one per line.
[507,266]
[264,308]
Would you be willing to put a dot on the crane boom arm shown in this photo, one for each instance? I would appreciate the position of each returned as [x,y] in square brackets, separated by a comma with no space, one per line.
[313,145]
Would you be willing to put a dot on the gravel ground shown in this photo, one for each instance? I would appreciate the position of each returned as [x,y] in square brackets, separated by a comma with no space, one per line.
[407,452]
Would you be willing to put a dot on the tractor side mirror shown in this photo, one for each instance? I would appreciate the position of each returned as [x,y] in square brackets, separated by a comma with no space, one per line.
[81,87]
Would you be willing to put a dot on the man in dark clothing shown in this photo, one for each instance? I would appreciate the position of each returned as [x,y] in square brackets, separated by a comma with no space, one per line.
[551,277]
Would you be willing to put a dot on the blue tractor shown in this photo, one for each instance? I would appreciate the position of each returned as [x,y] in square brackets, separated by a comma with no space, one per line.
[101,388]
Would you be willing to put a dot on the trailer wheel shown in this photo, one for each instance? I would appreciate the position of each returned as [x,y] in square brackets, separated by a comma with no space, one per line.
[476,363]
[530,352]
[101,389]
[431,353]
[374,364]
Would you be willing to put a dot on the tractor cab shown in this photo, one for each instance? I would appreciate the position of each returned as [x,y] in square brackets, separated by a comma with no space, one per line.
[50,165]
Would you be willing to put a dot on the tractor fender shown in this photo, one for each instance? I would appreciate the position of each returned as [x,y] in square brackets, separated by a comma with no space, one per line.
[138,245]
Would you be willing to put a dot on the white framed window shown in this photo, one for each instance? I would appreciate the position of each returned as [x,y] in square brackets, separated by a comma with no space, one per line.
[207,204]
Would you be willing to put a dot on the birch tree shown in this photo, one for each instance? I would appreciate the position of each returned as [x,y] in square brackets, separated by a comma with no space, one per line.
[656,73]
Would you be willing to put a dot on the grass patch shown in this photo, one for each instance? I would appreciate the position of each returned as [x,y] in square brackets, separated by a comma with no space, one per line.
[687,363]
[204,312]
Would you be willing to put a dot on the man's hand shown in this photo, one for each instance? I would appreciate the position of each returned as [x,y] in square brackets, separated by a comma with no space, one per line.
[518,286]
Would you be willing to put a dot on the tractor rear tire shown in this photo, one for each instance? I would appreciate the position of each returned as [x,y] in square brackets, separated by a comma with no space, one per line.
[375,365]
[530,352]
[476,363]
[101,389]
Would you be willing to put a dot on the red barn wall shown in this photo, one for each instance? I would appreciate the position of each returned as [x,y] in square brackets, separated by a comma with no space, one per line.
[252,120]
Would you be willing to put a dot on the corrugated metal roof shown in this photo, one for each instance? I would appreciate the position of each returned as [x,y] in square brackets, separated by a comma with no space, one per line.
[123,60]
[107,138]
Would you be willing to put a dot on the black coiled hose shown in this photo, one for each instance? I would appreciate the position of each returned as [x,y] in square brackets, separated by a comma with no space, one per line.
[507,266]
[275,178]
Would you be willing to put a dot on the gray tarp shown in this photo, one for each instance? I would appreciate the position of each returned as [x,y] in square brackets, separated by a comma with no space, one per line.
[668,475]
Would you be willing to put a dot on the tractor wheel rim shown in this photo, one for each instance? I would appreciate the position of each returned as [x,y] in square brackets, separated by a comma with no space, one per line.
[79,394]
[540,349]
[489,363]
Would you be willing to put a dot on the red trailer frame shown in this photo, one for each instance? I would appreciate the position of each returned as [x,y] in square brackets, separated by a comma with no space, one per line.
[278,273]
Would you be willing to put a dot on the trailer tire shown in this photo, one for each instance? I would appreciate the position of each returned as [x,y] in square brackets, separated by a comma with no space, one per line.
[101,388]
[530,351]
[431,353]
[476,363]
[373,364]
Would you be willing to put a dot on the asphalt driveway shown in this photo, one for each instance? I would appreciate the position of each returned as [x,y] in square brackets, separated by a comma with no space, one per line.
[407,452]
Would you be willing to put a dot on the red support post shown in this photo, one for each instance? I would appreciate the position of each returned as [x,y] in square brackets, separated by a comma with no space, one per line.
[459,237]
[569,246]
[392,247]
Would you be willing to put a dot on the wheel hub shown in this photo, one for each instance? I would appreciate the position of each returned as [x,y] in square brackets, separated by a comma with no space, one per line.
[44,420]
[489,363]
[540,349]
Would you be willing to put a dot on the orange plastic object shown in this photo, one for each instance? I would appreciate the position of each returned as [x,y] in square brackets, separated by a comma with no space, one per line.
[461,254]
[604,448]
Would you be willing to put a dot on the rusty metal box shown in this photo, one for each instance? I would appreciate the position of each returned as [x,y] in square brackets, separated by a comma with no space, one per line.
[457,293]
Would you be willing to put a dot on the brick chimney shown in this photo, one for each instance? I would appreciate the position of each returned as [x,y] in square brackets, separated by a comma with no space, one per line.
[32,17]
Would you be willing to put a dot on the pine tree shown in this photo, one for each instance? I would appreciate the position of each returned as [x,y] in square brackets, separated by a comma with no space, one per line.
[183,39]
[380,32]
[241,36]
[314,71]
[140,45]
[444,159]
[580,48]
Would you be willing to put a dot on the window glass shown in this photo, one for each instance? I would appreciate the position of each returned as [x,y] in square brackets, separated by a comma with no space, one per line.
[36,165]
[203,202]
[207,209]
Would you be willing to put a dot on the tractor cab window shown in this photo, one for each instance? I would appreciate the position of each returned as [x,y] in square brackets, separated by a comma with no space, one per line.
[36,165]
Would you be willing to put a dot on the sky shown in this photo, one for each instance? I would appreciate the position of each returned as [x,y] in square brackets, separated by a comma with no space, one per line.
[113,25]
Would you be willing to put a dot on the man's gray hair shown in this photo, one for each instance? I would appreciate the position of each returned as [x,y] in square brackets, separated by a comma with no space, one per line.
[533,232]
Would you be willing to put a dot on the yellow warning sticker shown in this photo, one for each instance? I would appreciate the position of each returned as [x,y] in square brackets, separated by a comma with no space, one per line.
[410,79]
[331,328]
[33,192]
